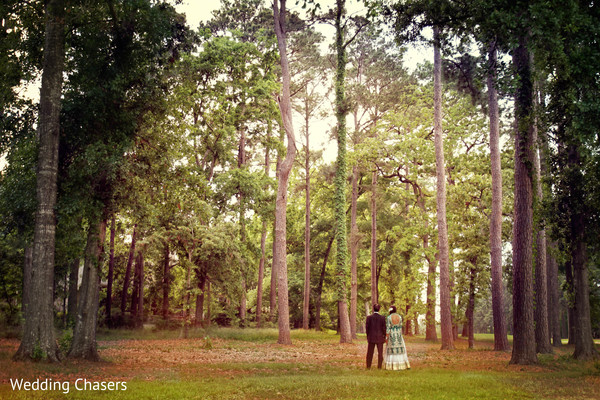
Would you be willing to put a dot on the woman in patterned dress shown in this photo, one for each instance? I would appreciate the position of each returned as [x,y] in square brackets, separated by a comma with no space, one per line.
[395,352]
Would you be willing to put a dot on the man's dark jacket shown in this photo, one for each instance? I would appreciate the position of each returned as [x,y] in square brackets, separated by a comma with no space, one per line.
[375,328]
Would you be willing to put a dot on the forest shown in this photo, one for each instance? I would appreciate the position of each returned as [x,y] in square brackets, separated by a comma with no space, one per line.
[287,166]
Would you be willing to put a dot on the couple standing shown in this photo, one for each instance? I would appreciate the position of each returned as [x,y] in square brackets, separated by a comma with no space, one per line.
[386,330]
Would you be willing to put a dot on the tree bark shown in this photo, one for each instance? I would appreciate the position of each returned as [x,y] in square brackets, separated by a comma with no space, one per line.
[208,317]
[500,337]
[243,303]
[73,290]
[524,346]
[430,323]
[200,300]
[320,286]
[187,307]
[374,280]
[471,307]
[263,242]
[551,263]
[570,291]
[261,274]
[84,334]
[306,303]
[444,260]
[137,299]
[111,269]
[166,284]
[354,253]
[584,342]
[242,211]
[285,106]
[340,179]
[553,297]
[127,277]
[542,335]
[140,313]
[38,332]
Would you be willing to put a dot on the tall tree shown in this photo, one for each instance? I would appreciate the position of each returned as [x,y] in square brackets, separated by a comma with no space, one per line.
[39,321]
[263,241]
[443,249]
[309,73]
[341,109]
[374,274]
[84,334]
[285,167]
[500,338]
[524,348]
[306,302]
[573,90]
[128,267]
[542,335]
[111,269]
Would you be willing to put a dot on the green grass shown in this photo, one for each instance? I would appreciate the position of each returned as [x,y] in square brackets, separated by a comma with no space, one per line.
[291,382]
[558,377]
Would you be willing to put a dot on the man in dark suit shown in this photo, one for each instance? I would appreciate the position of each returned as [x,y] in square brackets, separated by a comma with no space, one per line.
[375,336]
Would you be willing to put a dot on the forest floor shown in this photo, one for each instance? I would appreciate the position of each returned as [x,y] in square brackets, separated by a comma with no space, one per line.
[248,364]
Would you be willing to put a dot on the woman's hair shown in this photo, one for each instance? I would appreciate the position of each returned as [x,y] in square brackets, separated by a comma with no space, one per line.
[392,309]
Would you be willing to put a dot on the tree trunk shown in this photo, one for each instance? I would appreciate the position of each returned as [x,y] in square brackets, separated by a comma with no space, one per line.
[354,253]
[320,285]
[551,263]
[444,260]
[500,337]
[340,179]
[285,106]
[243,303]
[571,316]
[273,290]
[166,284]
[306,303]
[38,332]
[263,242]
[242,211]
[140,312]
[542,335]
[208,317]
[524,346]
[584,342]
[111,269]
[261,274]
[187,307]
[553,297]
[430,323]
[374,280]
[200,301]
[73,290]
[127,277]
[408,324]
[84,334]
[471,306]
[27,273]
[137,299]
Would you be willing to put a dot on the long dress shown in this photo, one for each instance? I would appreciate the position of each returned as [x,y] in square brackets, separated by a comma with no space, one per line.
[395,352]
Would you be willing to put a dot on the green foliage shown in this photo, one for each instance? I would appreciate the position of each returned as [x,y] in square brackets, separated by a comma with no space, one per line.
[65,341]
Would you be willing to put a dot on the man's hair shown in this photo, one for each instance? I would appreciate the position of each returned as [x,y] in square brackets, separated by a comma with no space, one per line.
[392,309]
[376,307]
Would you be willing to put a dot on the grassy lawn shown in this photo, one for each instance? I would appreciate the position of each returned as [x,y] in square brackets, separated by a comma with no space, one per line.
[248,364]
